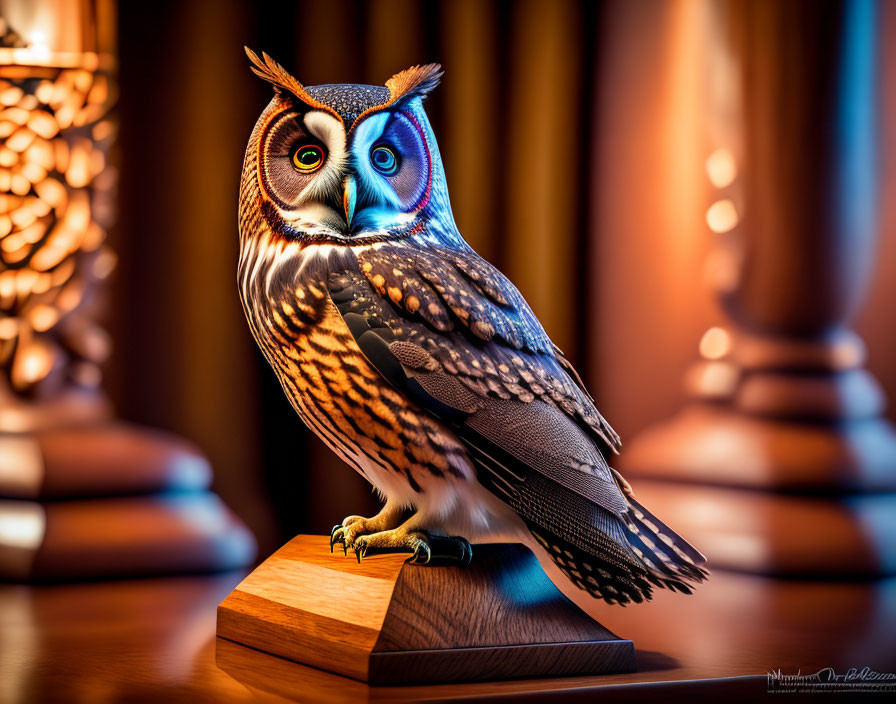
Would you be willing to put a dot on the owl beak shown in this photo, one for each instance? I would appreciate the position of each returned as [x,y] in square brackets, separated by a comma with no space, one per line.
[349,193]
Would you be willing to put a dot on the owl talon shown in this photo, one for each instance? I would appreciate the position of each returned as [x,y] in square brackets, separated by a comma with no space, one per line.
[360,551]
[354,528]
[337,535]
[467,557]
[444,550]
[334,538]
[425,549]
[422,554]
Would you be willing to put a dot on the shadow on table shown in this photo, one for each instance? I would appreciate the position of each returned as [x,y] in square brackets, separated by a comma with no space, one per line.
[651,661]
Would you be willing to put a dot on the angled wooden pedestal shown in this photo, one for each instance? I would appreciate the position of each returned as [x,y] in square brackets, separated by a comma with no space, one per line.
[387,622]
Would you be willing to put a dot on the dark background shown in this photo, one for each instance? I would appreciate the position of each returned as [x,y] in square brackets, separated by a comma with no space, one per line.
[574,136]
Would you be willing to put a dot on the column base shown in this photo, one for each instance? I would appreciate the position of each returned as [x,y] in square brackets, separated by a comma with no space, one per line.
[773,496]
[775,534]
[711,444]
[111,500]
[134,536]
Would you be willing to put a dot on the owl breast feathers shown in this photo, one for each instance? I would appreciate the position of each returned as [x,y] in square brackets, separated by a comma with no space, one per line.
[414,359]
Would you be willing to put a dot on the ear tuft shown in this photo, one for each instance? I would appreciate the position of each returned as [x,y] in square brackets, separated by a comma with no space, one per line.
[268,69]
[414,81]
[273,73]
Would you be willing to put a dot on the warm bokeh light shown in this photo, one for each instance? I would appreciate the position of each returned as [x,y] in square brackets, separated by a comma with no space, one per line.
[715,380]
[22,524]
[9,328]
[37,44]
[721,168]
[104,264]
[715,343]
[53,192]
[43,317]
[34,362]
[722,216]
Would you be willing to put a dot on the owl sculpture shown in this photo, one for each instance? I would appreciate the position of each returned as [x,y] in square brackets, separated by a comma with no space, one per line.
[415,360]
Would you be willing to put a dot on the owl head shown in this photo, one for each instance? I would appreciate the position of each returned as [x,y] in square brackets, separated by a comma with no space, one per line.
[345,164]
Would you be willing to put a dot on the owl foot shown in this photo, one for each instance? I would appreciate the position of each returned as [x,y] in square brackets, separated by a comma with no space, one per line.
[346,532]
[425,549]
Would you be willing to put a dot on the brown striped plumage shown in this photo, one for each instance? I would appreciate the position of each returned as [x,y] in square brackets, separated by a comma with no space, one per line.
[326,377]
[337,392]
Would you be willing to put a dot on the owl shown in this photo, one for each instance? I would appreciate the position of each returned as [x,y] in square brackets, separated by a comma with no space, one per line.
[415,360]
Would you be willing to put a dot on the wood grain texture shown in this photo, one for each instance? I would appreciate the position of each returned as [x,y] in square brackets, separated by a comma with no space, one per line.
[506,662]
[313,606]
[317,641]
[385,621]
[503,598]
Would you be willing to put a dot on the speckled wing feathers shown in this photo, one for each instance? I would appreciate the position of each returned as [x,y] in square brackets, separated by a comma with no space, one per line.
[506,380]
[457,291]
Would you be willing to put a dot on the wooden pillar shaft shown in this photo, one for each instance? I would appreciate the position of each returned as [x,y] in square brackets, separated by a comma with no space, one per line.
[809,77]
[784,406]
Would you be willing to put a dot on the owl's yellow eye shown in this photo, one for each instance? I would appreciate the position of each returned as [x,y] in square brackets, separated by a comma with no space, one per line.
[308,157]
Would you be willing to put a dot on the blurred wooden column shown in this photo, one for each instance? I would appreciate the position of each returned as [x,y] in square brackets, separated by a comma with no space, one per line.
[81,494]
[781,463]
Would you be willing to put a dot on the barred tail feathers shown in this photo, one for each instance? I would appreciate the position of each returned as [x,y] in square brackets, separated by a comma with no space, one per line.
[661,548]
[649,555]
[604,575]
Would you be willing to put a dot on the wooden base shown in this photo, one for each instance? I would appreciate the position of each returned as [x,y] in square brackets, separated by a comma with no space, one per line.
[385,621]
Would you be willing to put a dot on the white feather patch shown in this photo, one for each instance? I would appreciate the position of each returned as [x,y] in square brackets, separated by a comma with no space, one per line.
[331,133]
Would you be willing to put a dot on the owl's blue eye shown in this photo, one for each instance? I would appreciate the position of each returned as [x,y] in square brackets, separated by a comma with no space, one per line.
[384,160]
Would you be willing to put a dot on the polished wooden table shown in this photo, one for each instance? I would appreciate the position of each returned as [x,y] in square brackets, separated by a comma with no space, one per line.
[154,641]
